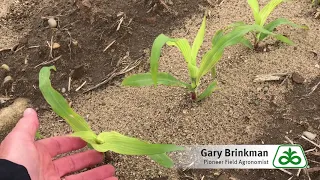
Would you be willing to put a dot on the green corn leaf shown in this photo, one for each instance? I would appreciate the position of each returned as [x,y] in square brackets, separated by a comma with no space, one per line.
[58,103]
[254,5]
[266,10]
[158,43]
[216,37]
[244,41]
[198,42]
[116,142]
[88,136]
[284,39]
[162,159]
[213,72]
[145,79]
[280,21]
[183,46]
[92,139]
[235,36]
[209,90]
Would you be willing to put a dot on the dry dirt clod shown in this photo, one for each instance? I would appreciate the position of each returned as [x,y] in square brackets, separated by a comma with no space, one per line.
[309,135]
[297,78]
[52,23]
[5,67]
[55,45]
[7,79]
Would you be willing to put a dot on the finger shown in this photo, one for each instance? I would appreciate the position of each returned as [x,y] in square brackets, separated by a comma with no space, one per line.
[62,144]
[99,173]
[112,178]
[28,125]
[77,162]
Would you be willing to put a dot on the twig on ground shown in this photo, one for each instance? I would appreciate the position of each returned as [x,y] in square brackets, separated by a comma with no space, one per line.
[69,44]
[290,177]
[285,171]
[109,45]
[19,49]
[298,173]
[270,77]
[69,84]
[81,86]
[120,22]
[314,169]
[114,74]
[288,139]
[307,173]
[316,162]
[31,47]
[317,145]
[310,150]
[48,62]
[51,47]
[313,89]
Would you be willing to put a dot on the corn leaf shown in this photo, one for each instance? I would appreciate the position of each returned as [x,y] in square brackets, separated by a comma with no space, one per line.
[183,46]
[58,103]
[162,159]
[88,136]
[116,142]
[209,90]
[92,139]
[198,42]
[254,5]
[280,21]
[246,43]
[284,39]
[235,36]
[158,43]
[266,10]
[216,37]
[213,72]
[145,79]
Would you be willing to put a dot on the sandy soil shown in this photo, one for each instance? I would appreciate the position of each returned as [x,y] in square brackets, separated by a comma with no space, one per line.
[236,114]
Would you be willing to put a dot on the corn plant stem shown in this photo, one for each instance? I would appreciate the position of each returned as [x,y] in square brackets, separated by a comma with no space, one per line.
[193,95]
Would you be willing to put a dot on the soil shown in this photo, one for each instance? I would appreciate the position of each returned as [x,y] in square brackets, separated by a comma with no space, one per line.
[85,29]
[240,112]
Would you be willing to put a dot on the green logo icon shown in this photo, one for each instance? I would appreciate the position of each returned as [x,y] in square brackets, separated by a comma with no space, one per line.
[290,156]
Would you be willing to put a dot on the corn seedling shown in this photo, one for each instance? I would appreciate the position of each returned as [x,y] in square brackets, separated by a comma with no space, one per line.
[260,18]
[315,2]
[105,141]
[208,63]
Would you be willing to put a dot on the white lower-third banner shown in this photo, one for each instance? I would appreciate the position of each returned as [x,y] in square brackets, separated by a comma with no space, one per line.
[241,157]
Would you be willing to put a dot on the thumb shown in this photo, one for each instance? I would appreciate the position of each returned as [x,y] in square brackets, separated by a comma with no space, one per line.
[28,125]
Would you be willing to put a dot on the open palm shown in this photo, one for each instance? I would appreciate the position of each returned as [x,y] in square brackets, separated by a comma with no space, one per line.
[38,156]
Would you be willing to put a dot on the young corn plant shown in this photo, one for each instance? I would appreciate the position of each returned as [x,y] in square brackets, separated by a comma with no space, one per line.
[105,141]
[315,3]
[208,63]
[260,18]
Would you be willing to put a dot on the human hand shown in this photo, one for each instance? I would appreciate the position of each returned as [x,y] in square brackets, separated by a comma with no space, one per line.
[37,156]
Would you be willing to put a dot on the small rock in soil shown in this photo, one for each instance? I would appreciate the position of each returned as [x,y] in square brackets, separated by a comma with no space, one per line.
[297,78]
[52,23]
[309,135]
[63,90]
